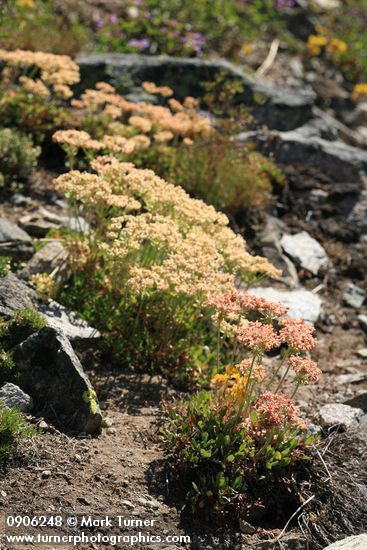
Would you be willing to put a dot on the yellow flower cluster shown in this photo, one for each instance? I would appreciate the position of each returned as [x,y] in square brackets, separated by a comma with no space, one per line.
[45,286]
[360,91]
[317,43]
[57,72]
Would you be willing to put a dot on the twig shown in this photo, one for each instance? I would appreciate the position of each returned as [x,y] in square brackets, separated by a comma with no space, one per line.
[343,129]
[292,516]
[265,66]
[325,466]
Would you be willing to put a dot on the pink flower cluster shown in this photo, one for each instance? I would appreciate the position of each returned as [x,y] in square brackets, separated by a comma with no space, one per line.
[258,336]
[236,302]
[247,368]
[226,304]
[276,410]
[305,369]
[263,306]
[297,334]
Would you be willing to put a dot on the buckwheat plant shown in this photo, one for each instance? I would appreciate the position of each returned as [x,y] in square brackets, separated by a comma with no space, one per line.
[107,123]
[34,87]
[240,442]
[154,256]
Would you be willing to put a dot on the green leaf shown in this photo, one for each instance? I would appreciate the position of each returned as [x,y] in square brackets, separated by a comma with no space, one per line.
[205,453]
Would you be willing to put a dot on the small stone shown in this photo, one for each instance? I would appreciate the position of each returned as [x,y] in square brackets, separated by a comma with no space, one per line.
[107,422]
[43,425]
[14,241]
[302,303]
[338,415]
[363,322]
[247,528]
[359,401]
[19,200]
[15,398]
[351,378]
[3,494]
[83,500]
[305,251]
[356,542]
[128,504]
[111,431]
[362,353]
[52,258]
[46,474]
[354,296]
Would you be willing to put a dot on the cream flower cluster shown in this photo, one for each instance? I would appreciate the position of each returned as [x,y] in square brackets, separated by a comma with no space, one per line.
[160,123]
[56,72]
[169,241]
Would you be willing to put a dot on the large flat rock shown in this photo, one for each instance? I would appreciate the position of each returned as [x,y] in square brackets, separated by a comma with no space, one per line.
[281,108]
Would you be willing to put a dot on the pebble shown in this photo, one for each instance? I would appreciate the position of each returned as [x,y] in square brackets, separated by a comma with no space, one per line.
[247,528]
[363,321]
[128,504]
[362,353]
[46,474]
[43,425]
[148,503]
[111,430]
[354,296]
[107,422]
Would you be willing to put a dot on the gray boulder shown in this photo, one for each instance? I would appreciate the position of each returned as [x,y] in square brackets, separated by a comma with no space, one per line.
[67,322]
[302,303]
[280,107]
[15,398]
[41,221]
[336,415]
[53,375]
[305,251]
[308,146]
[52,258]
[356,542]
[15,294]
[14,241]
